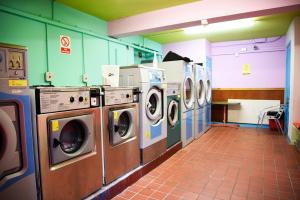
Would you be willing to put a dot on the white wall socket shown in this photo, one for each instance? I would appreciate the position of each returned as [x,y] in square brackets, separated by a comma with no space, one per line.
[49,76]
[85,78]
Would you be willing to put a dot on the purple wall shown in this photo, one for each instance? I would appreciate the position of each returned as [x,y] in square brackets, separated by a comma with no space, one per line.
[194,49]
[267,63]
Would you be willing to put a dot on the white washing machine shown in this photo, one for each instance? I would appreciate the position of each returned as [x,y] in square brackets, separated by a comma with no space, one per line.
[183,72]
[208,93]
[152,108]
[200,102]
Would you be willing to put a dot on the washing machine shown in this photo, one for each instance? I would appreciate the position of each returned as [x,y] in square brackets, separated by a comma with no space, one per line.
[183,72]
[120,112]
[200,102]
[208,93]
[173,114]
[69,142]
[152,108]
[18,174]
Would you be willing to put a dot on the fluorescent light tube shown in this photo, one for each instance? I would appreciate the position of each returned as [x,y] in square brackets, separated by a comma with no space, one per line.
[229,25]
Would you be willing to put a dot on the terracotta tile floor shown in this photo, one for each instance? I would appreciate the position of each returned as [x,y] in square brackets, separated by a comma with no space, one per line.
[225,163]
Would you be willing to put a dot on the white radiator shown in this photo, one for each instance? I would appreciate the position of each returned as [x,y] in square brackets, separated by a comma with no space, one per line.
[248,110]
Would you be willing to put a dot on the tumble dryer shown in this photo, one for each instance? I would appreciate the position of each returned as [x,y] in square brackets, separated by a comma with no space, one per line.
[120,131]
[173,114]
[208,93]
[69,142]
[200,102]
[152,108]
[183,72]
[17,162]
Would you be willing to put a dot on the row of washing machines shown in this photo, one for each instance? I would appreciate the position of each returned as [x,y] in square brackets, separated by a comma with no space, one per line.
[67,142]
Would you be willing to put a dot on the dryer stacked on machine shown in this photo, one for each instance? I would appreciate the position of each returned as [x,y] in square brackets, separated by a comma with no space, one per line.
[182,72]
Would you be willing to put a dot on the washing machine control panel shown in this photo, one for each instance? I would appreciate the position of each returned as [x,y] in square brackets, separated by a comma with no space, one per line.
[118,96]
[55,100]
[173,89]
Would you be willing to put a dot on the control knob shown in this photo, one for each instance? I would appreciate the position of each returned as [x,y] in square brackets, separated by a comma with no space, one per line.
[72,99]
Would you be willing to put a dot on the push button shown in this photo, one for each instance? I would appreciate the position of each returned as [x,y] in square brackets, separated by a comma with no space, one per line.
[72,99]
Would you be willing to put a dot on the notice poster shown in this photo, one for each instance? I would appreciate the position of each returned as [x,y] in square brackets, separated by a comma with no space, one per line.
[65,44]
[246,69]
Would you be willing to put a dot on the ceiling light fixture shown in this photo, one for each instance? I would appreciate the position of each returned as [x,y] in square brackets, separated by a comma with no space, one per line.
[229,25]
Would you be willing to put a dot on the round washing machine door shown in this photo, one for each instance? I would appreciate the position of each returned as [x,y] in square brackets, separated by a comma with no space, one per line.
[208,91]
[201,97]
[188,92]
[121,126]
[10,140]
[173,112]
[70,137]
[154,104]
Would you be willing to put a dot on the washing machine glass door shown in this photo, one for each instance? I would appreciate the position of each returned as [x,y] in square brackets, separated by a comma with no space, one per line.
[201,97]
[121,125]
[154,105]
[188,92]
[173,113]
[70,137]
[10,140]
[208,91]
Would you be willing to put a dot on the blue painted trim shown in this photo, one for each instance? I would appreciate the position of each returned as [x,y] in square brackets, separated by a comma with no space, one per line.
[189,124]
[155,131]
[244,125]
[200,120]
[29,154]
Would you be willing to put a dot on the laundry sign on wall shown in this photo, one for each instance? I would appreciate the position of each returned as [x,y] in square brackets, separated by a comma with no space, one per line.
[246,69]
[65,44]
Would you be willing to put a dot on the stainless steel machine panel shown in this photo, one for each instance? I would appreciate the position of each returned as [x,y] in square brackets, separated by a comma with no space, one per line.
[56,99]
[118,96]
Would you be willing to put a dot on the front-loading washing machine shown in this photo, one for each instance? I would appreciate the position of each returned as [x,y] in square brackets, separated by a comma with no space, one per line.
[173,114]
[69,142]
[152,108]
[182,72]
[208,93]
[18,173]
[200,102]
[120,114]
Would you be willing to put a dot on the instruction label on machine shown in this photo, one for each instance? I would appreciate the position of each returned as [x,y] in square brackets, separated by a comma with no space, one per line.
[65,44]
[55,125]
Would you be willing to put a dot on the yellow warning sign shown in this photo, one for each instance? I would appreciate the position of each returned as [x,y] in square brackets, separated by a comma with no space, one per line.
[246,69]
[17,83]
[147,135]
[55,125]
[115,115]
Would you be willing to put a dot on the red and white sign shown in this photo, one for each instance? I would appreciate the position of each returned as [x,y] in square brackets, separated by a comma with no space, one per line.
[65,44]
